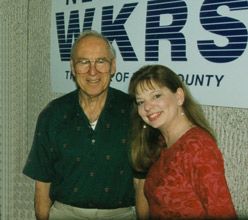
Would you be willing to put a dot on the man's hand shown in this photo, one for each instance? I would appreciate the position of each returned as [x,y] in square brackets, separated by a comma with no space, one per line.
[42,201]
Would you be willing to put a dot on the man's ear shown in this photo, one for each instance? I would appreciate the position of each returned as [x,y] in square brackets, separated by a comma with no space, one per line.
[113,67]
[180,96]
[72,67]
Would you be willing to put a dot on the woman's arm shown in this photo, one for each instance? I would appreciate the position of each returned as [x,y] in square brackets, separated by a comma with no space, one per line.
[211,185]
[142,208]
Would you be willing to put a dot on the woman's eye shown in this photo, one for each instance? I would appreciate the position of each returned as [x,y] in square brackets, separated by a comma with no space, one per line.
[157,96]
[139,102]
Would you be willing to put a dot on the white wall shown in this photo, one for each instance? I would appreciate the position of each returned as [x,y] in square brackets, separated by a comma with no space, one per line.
[25,89]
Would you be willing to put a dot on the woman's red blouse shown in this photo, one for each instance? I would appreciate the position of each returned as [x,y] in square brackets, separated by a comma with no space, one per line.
[188,180]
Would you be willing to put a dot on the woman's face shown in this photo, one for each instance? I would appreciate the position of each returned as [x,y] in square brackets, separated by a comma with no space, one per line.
[158,106]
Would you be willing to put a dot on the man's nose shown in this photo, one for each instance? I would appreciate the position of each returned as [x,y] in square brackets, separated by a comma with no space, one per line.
[92,68]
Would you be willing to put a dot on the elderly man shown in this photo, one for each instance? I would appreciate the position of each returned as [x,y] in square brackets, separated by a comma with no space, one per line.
[79,157]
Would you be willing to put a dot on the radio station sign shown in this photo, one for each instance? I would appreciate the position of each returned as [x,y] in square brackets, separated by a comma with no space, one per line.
[204,42]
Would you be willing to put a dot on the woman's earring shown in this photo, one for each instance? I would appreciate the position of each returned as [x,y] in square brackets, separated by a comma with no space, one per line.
[144,126]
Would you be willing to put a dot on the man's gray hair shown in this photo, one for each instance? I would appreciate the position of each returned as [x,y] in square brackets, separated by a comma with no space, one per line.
[93,33]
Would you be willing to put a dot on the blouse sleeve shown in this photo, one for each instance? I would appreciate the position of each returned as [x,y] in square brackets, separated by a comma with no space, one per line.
[210,182]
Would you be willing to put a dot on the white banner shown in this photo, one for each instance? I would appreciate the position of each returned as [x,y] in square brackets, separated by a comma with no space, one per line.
[205,42]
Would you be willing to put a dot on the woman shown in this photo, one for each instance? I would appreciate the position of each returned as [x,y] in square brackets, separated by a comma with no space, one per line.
[174,144]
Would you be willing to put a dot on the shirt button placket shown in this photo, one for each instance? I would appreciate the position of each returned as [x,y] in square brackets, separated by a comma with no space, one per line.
[93,141]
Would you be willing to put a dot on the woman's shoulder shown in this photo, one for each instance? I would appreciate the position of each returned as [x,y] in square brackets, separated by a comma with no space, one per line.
[197,139]
[198,134]
[198,147]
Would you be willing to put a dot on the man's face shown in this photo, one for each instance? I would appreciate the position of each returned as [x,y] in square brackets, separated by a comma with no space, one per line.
[92,66]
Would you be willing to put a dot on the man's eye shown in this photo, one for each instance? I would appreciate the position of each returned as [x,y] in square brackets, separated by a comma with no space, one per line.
[101,60]
[83,62]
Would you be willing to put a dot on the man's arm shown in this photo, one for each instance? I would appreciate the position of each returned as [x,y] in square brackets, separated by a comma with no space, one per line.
[42,201]
[142,208]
